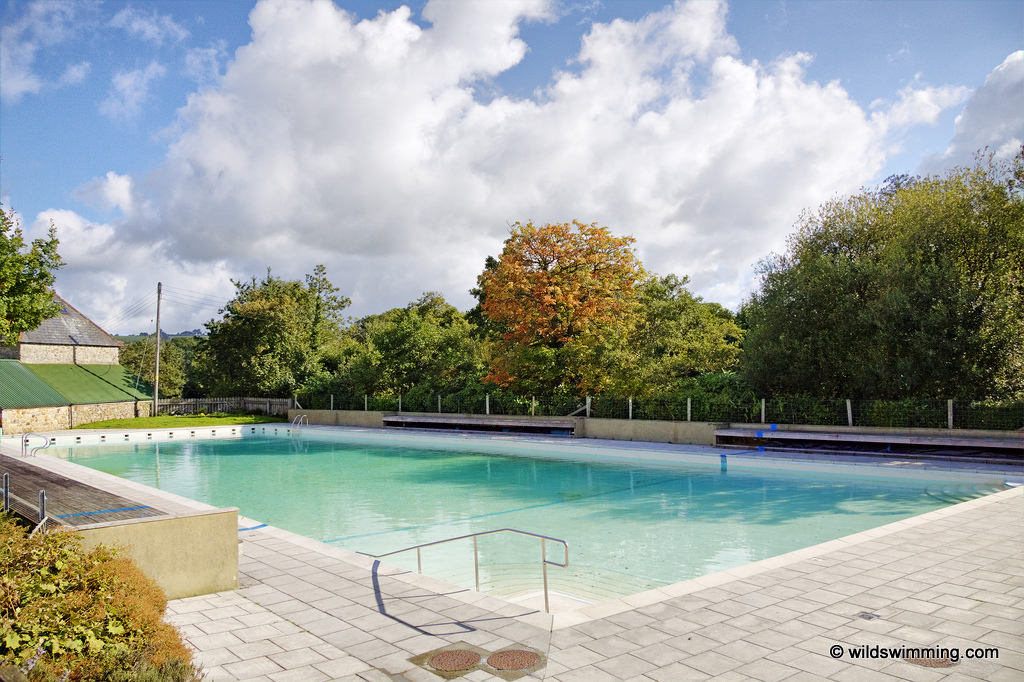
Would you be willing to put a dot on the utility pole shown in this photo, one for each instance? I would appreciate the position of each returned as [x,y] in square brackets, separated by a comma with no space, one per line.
[156,370]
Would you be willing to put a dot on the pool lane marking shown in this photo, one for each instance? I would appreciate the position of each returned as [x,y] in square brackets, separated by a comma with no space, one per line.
[507,511]
[103,511]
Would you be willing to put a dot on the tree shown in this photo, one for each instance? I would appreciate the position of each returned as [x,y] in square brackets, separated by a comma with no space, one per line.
[26,278]
[139,357]
[677,335]
[270,340]
[428,345]
[913,289]
[561,296]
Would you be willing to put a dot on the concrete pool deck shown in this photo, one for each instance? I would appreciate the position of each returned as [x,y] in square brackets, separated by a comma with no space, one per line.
[951,579]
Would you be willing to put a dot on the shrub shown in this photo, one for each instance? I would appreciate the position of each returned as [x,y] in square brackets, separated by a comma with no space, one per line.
[93,615]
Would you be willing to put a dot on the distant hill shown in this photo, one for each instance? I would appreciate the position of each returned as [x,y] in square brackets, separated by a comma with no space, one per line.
[132,338]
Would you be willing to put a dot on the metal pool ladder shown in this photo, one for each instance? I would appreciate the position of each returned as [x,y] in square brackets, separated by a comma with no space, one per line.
[299,419]
[25,452]
[476,558]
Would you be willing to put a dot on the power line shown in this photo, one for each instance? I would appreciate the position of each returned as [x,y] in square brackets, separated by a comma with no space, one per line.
[133,310]
[195,296]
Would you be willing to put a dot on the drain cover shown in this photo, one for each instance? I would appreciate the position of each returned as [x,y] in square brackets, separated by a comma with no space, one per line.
[868,616]
[454,660]
[931,662]
[513,659]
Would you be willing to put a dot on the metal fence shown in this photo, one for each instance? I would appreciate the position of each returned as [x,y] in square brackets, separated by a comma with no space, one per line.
[906,413]
[209,405]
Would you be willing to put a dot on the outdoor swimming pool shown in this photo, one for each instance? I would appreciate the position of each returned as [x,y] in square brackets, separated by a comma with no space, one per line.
[630,525]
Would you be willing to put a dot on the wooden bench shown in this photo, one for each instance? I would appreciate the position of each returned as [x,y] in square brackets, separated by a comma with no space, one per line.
[946,446]
[472,422]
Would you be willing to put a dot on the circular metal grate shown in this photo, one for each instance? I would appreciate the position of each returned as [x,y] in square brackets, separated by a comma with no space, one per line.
[454,660]
[513,659]
[931,662]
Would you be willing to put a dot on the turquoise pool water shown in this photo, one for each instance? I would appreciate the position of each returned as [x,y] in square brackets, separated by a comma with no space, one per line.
[630,527]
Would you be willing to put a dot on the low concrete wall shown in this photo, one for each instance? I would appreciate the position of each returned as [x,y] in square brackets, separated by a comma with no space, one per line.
[187,555]
[697,433]
[341,417]
[650,431]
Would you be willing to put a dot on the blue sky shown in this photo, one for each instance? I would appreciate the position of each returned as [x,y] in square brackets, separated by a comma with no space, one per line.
[195,142]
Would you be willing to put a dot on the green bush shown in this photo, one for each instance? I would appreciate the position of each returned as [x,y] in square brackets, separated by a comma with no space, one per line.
[89,615]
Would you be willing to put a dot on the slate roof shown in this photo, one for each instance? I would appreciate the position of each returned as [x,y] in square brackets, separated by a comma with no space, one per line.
[70,328]
[31,385]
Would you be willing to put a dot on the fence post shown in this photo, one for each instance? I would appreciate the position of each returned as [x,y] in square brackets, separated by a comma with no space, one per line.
[533,405]
[7,488]
[762,410]
[366,407]
[439,403]
[630,408]
[588,407]
[949,411]
[42,505]
[399,402]
[688,413]
[487,403]
[849,412]
[332,402]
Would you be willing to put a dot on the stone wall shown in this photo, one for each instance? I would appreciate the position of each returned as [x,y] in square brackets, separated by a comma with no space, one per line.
[29,419]
[41,354]
[86,414]
[36,419]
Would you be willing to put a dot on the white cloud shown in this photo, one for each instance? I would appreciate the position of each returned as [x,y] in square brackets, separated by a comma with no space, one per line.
[105,276]
[362,145]
[153,27]
[202,64]
[42,24]
[111,191]
[129,90]
[75,73]
[921,105]
[992,118]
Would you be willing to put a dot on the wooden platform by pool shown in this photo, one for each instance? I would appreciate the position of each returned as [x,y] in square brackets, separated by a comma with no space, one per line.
[68,502]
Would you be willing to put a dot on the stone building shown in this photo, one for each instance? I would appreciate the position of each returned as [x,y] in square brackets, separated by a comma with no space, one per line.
[64,373]
[71,338]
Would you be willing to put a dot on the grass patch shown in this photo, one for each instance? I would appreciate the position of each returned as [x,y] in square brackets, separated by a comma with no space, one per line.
[184,421]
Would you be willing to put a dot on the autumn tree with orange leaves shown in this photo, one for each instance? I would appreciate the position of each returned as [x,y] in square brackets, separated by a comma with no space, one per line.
[562,297]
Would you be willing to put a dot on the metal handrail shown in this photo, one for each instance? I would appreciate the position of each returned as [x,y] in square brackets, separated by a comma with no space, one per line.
[24,444]
[297,422]
[476,557]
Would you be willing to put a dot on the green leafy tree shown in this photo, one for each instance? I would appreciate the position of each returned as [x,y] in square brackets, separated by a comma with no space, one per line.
[26,278]
[140,357]
[913,289]
[677,335]
[269,341]
[428,345]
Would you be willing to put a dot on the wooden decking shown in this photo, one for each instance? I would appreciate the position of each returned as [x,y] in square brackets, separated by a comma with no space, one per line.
[68,501]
